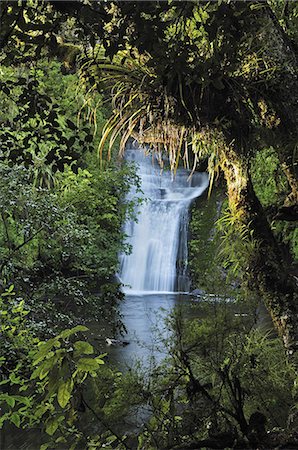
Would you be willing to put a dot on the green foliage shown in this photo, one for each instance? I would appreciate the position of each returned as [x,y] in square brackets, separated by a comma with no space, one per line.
[49,384]
[268,179]
[26,214]
[238,246]
[218,374]
[60,235]
[99,200]
[16,337]
[287,14]
[37,133]
[46,379]
[271,188]
[61,232]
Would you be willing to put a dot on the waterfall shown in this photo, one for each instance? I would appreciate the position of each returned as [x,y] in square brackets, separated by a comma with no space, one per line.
[158,262]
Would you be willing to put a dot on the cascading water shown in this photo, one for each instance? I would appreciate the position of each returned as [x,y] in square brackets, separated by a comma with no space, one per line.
[158,262]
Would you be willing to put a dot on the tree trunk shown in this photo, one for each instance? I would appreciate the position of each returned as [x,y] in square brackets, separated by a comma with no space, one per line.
[267,269]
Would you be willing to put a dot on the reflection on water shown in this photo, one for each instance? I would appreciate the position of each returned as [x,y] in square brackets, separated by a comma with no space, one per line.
[144,318]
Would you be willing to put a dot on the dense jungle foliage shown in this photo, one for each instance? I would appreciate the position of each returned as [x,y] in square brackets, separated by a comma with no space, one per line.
[61,217]
[211,84]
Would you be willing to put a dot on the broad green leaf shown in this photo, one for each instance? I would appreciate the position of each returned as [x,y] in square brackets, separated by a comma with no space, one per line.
[84,347]
[54,382]
[64,393]
[35,373]
[14,379]
[111,439]
[3,418]
[99,360]
[41,410]
[70,331]
[87,364]
[15,418]
[60,439]
[9,291]
[52,426]
[44,348]
[8,399]
[44,446]
[49,364]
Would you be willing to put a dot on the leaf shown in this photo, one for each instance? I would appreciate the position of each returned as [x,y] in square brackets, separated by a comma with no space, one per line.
[60,439]
[10,401]
[84,347]
[111,439]
[64,393]
[15,418]
[40,410]
[87,364]
[21,399]
[52,426]
[44,446]
[53,383]
[68,332]
[44,368]
[9,291]
[43,349]
[35,373]
[99,359]
[3,418]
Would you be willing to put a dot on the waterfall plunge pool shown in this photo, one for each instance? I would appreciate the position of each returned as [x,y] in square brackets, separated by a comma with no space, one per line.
[149,333]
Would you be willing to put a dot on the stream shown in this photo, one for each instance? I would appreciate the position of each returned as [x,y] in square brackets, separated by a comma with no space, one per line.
[155,274]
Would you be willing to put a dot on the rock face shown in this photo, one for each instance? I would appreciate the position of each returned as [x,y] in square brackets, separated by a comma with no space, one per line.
[116,342]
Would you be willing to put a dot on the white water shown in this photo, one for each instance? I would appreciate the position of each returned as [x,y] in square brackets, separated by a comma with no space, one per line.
[158,262]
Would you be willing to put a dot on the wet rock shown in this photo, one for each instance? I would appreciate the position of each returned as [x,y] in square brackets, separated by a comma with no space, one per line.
[116,342]
[198,292]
